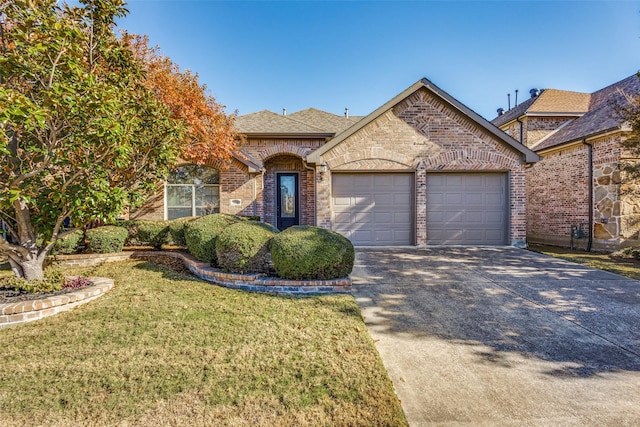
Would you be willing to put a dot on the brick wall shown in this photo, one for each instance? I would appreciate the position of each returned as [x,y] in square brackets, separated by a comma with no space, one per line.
[289,163]
[538,127]
[558,197]
[423,134]
[240,191]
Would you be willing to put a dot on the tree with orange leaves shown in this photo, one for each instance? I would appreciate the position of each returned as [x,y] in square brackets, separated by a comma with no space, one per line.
[210,135]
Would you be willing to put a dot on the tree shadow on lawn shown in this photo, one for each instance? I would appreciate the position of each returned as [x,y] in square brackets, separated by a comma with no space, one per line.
[505,300]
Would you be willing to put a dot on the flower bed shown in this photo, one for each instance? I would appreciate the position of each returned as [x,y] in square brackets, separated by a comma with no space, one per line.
[14,313]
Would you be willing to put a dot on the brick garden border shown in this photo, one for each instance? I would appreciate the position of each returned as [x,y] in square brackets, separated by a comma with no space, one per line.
[14,313]
[245,282]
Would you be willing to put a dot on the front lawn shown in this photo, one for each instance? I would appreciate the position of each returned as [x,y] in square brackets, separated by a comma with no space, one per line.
[163,348]
[625,267]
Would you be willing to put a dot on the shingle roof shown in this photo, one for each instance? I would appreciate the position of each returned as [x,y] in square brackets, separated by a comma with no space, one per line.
[326,121]
[311,120]
[549,101]
[269,122]
[601,116]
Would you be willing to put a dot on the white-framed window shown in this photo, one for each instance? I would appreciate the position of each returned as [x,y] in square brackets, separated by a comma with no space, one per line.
[192,190]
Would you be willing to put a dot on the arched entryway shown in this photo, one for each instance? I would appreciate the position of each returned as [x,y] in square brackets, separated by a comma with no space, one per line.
[289,197]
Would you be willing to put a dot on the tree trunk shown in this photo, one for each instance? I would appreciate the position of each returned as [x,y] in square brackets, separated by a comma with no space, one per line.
[29,269]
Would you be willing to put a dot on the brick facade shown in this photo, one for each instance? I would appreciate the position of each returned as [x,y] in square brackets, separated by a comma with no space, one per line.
[420,132]
[423,134]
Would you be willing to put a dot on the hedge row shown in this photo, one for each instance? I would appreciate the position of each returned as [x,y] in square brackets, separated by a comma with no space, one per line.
[234,244]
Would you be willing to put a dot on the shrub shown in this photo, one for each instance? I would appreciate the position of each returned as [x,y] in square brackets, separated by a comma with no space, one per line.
[53,281]
[68,244]
[107,239]
[306,252]
[154,233]
[244,247]
[176,230]
[200,235]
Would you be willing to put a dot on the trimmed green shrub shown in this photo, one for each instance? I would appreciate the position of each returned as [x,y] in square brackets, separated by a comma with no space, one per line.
[143,232]
[68,244]
[306,252]
[106,239]
[154,233]
[200,235]
[176,230]
[244,247]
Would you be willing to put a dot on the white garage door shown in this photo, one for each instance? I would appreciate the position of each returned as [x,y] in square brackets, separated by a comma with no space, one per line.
[374,209]
[467,209]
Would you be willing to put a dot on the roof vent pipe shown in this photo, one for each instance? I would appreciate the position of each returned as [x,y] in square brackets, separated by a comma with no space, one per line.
[516,98]
[534,92]
[346,112]
[284,111]
[509,101]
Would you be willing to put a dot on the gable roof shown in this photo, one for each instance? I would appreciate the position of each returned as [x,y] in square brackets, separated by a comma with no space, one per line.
[551,102]
[601,116]
[530,156]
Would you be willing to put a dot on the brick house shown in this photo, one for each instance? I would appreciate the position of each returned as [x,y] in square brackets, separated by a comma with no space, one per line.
[421,169]
[578,181]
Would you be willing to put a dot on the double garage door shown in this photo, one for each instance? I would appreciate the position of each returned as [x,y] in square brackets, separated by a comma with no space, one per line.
[377,209]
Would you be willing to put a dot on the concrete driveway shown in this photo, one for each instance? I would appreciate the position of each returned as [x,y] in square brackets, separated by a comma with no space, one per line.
[502,336]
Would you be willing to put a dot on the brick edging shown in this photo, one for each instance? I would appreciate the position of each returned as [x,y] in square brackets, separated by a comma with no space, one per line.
[256,282]
[14,313]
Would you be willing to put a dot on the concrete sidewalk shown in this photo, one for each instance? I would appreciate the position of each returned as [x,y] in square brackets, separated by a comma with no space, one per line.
[502,336]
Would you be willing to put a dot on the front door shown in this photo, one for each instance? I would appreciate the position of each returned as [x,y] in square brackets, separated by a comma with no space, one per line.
[287,208]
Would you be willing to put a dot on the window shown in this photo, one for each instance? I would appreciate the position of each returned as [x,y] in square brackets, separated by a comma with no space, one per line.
[192,191]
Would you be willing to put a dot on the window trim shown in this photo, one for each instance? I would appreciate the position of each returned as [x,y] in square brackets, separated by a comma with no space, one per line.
[193,206]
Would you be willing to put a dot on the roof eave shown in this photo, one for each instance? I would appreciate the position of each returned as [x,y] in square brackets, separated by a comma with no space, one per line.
[293,135]
[591,136]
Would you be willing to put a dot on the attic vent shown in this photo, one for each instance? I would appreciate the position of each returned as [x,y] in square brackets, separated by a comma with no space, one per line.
[534,92]
[500,111]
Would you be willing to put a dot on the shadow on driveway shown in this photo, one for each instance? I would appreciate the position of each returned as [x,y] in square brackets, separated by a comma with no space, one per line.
[450,315]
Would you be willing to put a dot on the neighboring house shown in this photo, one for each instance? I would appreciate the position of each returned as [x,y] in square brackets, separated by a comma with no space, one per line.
[421,169]
[578,182]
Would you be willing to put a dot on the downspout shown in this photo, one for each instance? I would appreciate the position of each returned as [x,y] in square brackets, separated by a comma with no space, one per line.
[590,162]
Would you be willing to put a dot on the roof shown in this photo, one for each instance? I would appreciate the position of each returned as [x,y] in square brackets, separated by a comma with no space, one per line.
[311,122]
[529,156]
[601,116]
[326,121]
[550,101]
[267,122]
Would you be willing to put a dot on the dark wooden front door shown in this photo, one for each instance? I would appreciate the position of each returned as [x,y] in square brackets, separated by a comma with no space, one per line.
[288,206]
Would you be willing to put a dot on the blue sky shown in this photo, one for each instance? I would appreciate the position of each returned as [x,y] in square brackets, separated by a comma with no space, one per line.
[359,54]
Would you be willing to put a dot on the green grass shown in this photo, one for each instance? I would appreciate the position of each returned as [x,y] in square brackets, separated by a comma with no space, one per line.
[166,349]
[625,267]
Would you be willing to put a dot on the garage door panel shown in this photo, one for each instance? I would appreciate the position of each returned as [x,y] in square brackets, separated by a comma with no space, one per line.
[467,208]
[379,207]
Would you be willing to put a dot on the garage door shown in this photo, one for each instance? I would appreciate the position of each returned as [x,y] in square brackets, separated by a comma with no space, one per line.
[374,209]
[467,209]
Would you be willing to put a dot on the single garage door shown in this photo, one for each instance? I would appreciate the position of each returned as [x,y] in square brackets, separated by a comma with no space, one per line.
[374,209]
[467,209]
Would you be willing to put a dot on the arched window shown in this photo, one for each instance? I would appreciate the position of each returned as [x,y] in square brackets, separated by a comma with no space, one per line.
[192,191]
